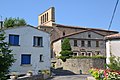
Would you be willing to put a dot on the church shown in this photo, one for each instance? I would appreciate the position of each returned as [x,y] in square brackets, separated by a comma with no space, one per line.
[84,41]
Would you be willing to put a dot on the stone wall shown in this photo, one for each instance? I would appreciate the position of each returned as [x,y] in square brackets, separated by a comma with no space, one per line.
[75,65]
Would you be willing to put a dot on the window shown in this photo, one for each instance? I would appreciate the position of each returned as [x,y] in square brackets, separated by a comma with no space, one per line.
[25,59]
[89,54]
[89,36]
[75,42]
[89,43]
[75,54]
[63,33]
[41,58]
[97,43]
[82,54]
[47,16]
[82,43]
[38,41]
[97,52]
[14,40]
[41,19]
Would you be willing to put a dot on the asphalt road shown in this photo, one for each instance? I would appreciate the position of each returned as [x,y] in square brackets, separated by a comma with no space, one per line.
[70,77]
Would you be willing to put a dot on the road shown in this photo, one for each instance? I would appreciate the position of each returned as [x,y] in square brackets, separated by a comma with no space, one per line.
[70,77]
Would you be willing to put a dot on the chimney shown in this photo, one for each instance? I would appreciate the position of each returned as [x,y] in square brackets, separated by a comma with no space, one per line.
[1,23]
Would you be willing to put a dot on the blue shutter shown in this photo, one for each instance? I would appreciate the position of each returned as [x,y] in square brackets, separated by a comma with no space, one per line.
[16,40]
[11,39]
[26,59]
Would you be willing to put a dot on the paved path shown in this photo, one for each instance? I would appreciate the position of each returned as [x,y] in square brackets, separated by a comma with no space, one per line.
[70,77]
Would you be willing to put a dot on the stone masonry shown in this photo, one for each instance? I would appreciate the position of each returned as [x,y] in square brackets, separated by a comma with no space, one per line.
[75,65]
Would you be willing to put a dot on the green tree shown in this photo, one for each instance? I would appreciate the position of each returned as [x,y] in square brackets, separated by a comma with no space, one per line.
[6,59]
[11,22]
[66,45]
[66,50]
[114,63]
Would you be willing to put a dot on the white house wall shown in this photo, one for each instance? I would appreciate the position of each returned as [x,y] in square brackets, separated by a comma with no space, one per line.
[113,47]
[107,51]
[57,47]
[26,47]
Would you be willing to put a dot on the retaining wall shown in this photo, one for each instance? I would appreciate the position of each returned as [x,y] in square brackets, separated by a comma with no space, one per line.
[75,65]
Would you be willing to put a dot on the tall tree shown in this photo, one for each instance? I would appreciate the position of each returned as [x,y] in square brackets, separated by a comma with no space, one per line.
[6,59]
[66,50]
[11,22]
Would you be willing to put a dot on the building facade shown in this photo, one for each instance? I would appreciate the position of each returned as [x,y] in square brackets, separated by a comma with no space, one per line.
[83,43]
[31,49]
[112,45]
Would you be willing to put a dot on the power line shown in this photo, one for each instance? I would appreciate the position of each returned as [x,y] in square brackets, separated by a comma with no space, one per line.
[113,14]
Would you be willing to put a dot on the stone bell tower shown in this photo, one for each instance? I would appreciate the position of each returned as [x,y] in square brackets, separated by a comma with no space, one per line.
[47,18]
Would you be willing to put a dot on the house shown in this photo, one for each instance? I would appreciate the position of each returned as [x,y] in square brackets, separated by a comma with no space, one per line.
[31,49]
[84,41]
[112,45]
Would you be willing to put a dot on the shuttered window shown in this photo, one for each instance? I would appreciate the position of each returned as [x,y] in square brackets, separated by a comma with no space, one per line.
[14,40]
[25,59]
[38,41]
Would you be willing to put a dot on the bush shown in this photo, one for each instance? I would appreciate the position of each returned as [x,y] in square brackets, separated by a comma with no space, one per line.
[100,74]
[89,57]
[66,53]
[114,63]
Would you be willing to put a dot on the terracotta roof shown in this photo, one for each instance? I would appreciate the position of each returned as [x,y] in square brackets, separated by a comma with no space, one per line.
[114,36]
[21,27]
[77,27]
[67,26]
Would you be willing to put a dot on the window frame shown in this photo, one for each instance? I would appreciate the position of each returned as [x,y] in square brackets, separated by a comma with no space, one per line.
[25,63]
[89,35]
[37,42]
[97,44]
[82,43]
[41,58]
[89,43]
[75,43]
[14,43]
[63,33]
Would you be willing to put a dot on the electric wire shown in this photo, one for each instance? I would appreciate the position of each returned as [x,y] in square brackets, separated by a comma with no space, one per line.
[113,15]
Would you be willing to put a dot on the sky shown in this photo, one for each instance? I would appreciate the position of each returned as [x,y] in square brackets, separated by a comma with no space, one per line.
[83,13]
